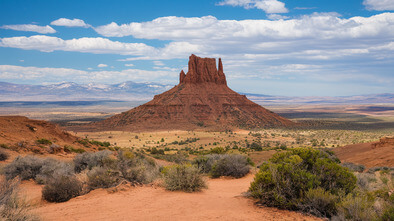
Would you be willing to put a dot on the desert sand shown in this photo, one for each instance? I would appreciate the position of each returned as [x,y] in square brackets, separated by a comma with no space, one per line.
[223,200]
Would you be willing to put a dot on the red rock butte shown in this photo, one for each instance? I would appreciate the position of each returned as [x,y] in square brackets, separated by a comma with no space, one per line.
[202,99]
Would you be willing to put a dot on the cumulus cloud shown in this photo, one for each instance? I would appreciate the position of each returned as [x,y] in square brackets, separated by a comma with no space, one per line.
[379,5]
[33,28]
[36,74]
[102,65]
[268,6]
[129,65]
[70,23]
[100,46]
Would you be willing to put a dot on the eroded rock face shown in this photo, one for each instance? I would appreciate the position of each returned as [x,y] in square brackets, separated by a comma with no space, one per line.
[201,99]
[203,70]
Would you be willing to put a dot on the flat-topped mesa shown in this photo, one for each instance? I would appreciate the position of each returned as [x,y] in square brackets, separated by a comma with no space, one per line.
[203,70]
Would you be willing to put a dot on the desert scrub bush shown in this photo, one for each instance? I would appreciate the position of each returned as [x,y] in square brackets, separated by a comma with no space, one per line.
[357,207]
[217,165]
[61,188]
[184,177]
[354,167]
[88,160]
[3,155]
[285,179]
[12,207]
[100,177]
[320,202]
[39,169]
[135,167]
[52,168]
[27,167]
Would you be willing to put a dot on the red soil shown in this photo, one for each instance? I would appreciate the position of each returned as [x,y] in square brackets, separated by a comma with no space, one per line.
[375,154]
[222,200]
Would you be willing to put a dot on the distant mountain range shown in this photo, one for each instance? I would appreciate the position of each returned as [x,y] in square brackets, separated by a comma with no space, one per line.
[131,91]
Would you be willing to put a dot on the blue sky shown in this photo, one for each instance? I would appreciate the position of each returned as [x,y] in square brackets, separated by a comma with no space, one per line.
[278,47]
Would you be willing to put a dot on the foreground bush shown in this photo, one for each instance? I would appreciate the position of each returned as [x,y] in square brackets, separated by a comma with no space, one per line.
[100,177]
[12,207]
[136,167]
[88,160]
[286,179]
[62,188]
[217,165]
[184,177]
[39,169]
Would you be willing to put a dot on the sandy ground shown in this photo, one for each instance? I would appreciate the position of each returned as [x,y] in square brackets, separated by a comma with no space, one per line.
[222,200]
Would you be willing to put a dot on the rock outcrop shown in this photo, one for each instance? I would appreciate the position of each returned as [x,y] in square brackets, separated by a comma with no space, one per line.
[201,99]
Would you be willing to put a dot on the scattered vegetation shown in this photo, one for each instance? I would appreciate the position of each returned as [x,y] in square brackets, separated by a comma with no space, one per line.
[183,177]
[44,141]
[313,181]
[234,165]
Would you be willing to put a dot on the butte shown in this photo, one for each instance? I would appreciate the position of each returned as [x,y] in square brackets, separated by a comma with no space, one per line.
[202,99]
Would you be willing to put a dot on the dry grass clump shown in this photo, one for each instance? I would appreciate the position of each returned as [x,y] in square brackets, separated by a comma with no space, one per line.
[12,207]
[184,177]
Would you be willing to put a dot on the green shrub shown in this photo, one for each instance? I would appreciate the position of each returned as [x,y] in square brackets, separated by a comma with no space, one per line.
[5,146]
[3,155]
[61,189]
[89,160]
[284,181]
[184,177]
[100,177]
[388,214]
[44,141]
[217,165]
[12,207]
[71,149]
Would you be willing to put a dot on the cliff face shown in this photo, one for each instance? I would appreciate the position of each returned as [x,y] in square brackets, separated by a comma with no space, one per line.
[201,99]
[203,70]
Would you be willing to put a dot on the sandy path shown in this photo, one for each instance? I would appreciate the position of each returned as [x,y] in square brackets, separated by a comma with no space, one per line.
[221,201]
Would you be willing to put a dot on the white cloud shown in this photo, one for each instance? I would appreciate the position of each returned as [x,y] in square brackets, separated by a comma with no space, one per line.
[129,65]
[70,23]
[276,17]
[89,45]
[268,6]
[36,74]
[102,65]
[33,28]
[379,5]
[158,63]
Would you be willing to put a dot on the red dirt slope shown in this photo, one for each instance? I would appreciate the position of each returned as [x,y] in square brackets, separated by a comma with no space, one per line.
[375,154]
[22,133]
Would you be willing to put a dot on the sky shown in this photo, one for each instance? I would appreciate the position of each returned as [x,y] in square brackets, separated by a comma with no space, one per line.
[275,47]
